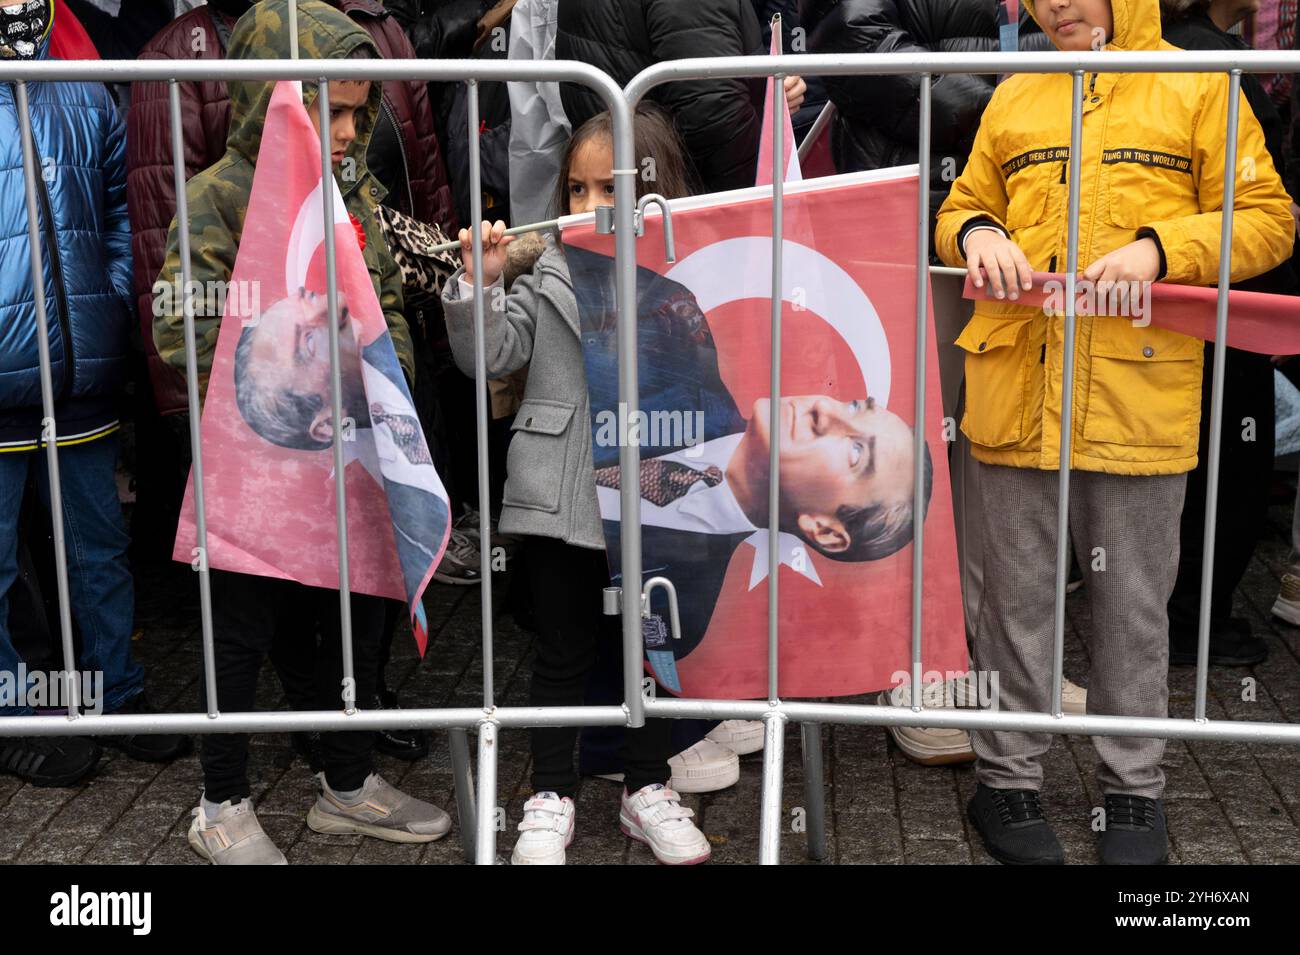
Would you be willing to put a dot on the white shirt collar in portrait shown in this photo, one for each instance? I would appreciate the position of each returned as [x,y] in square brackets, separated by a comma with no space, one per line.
[714,510]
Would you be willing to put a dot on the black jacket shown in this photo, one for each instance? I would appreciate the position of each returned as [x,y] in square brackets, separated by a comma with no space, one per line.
[449,29]
[719,119]
[1196,31]
[879,116]
[791,42]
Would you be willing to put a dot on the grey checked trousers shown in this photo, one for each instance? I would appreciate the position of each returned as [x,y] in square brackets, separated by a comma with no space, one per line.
[1134,522]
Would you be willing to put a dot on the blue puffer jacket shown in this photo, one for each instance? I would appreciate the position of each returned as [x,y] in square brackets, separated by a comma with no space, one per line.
[81,194]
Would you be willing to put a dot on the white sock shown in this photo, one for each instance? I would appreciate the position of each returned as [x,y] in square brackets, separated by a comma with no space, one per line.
[210,809]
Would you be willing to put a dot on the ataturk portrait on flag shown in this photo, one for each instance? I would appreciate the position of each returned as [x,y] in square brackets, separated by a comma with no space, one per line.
[268,426]
[845,438]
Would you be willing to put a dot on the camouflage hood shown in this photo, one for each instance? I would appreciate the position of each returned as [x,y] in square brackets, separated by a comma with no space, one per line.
[323,34]
[218,196]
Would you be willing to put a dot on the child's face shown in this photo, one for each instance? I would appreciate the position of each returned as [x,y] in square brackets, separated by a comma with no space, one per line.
[1075,25]
[348,100]
[591,176]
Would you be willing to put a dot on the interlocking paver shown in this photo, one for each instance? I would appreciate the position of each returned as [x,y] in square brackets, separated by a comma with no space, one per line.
[1226,802]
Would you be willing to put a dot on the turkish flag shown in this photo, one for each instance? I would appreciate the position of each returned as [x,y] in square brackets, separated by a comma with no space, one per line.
[267,428]
[848,346]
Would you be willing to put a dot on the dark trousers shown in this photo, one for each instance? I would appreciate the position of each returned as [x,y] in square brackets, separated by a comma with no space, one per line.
[564,584]
[1245,473]
[250,616]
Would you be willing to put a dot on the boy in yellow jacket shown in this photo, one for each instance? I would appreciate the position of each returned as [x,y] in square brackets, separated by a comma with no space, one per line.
[1151,193]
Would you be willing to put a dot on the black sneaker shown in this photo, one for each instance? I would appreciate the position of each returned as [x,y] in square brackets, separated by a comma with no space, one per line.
[1232,644]
[49,760]
[1012,825]
[152,748]
[406,745]
[1135,832]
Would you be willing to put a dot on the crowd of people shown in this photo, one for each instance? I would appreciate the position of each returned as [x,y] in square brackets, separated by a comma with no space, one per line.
[108,235]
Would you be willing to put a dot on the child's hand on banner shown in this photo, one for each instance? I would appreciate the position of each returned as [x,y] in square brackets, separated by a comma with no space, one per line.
[494,251]
[795,89]
[1136,262]
[1006,265]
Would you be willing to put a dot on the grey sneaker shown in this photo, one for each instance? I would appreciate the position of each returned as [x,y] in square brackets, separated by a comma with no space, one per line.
[380,811]
[460,562]
[233,837]
[469,524]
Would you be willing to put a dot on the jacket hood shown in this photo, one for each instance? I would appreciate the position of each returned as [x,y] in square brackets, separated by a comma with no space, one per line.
[324,33]
[1137,24]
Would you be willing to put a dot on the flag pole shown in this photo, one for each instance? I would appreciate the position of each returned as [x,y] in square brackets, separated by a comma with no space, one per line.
[818,127]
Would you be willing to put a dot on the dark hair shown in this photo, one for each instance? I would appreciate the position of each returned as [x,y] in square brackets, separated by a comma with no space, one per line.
[363,51]
[282,417]
[1176,9]
[878,530]
[661,161]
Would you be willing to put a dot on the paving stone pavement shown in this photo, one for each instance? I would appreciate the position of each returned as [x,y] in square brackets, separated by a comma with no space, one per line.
[1226,802]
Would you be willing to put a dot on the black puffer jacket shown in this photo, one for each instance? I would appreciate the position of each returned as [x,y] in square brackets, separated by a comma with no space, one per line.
[719,119]
[1196,31]
[879,116]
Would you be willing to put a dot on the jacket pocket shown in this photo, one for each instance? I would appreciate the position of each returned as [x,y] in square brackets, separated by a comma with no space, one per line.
[1143,185]
[997,374]
[536,461]
[1144,386]
[1027,202]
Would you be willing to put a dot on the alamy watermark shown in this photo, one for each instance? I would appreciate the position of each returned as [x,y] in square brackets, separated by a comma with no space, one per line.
[656,429]
[975,689]
[1129,299]
[39,689]
[210,299]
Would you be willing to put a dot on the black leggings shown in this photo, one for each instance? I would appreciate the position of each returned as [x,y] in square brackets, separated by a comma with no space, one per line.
[249,616]
[565,583]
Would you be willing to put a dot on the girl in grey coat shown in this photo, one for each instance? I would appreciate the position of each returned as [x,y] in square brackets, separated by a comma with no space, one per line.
[550,497]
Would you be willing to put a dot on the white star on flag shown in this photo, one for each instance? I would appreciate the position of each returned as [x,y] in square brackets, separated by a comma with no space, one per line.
[361,447]
[793,553]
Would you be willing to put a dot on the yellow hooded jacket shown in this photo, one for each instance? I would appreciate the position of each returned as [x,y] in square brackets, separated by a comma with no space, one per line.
[1152,159]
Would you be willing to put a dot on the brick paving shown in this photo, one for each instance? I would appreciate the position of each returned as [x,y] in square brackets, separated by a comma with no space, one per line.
[1226,802]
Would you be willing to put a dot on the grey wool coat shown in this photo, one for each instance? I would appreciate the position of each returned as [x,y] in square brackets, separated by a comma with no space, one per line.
[550,491]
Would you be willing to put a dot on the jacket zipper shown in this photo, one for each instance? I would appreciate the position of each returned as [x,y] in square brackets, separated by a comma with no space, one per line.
[60,292]
[406,172]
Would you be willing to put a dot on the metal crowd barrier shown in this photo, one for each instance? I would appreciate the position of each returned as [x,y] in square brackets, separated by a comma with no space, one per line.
[774,712]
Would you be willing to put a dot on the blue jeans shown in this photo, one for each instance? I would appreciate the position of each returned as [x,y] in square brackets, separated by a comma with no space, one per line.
[99,578]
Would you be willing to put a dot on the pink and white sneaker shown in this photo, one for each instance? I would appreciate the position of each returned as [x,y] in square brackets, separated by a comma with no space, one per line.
[546,831]
[654,815]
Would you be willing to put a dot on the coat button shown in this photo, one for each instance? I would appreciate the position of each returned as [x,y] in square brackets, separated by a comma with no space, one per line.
[1096,99]
[982,344]
[529,422]
[374,190]
[1148,352]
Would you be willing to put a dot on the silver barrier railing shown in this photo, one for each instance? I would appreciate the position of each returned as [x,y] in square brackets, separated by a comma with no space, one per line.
[774,712]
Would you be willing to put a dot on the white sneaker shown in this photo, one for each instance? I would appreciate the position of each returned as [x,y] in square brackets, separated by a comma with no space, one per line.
[705,767]
[1074,698]
[654,815]
[233,837]
[546,831]
[742,737]
[1287,605]
[933,745]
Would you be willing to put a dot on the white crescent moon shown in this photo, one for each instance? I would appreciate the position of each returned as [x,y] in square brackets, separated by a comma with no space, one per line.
[307,234]
[741,268]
